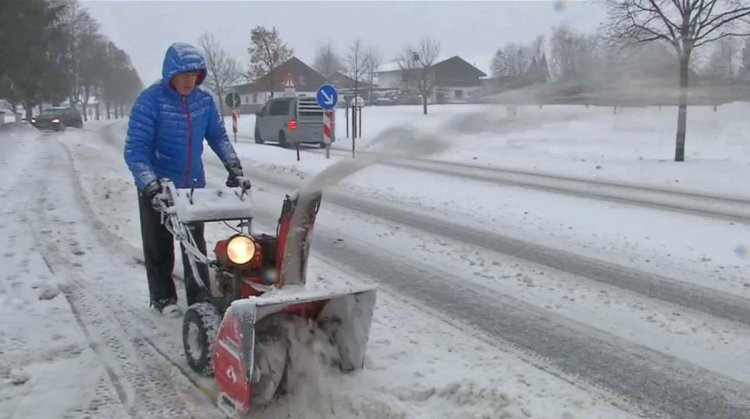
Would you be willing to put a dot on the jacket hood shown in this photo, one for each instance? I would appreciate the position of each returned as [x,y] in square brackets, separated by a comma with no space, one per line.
[181,58]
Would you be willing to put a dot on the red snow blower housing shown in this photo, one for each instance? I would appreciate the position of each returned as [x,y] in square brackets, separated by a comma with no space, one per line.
[257,285]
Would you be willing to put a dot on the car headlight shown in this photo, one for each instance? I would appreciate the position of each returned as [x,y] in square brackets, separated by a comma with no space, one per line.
[240,250]
[55,121]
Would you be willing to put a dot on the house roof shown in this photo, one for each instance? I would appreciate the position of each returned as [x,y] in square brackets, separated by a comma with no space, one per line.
[457,63]
[454,61]
[342,81]
[389,67]
[304,77]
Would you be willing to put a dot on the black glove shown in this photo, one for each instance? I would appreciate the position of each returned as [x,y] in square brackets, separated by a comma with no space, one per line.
[235,173]
[152,192]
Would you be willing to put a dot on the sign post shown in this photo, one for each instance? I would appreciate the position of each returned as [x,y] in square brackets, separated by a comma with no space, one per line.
[327,116]
[327,98]
[235,117]
[233,101]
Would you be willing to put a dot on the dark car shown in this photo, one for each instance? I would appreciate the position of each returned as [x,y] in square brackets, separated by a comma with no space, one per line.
[57,119]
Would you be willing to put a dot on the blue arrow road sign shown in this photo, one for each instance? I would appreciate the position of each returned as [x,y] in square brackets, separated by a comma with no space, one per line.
[327,96]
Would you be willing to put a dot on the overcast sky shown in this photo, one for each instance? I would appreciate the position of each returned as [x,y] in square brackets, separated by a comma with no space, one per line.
[472,30]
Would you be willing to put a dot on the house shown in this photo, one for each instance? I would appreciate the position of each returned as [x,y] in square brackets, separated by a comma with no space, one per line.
[346,85]
[390,76]
[7,114]
[456,80]
[304,78]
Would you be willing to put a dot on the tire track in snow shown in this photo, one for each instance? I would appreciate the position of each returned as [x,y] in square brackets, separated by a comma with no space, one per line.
[711,206]
[95,347]
[658,287]
[109,396]
[157,388]
[649,379]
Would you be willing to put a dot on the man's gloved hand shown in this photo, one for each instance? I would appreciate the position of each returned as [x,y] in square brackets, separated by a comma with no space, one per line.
[235,175]
[153,191]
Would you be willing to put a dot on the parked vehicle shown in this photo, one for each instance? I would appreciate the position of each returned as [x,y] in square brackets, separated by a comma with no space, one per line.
[291,121]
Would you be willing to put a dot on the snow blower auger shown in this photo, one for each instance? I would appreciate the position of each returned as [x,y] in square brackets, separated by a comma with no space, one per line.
[257,289]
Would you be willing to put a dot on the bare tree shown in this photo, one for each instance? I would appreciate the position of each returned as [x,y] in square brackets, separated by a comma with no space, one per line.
[499,64]
[374,60]
[327,62]
[222,70]
[417,67]
[94,65]
[536,48]
[721,63]
[120,83]
[685,25]
[512,60]
[356,65]
[74,21]
[572,53]
[744,70]
[267,51]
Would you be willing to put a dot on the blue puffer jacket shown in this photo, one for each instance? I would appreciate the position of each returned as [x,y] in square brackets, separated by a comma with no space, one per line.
[166,130]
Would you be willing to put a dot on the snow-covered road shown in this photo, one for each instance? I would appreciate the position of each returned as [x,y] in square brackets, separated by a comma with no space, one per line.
[484,309]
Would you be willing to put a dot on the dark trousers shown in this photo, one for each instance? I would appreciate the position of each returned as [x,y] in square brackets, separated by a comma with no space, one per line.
[158,253]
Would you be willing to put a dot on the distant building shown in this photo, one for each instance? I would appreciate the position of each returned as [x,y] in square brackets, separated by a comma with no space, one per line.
[456,80]
[305,79]
[346,85]
[7,114]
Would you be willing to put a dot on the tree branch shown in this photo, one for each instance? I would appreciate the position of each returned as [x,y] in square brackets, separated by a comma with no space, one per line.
[716,26]
[671,27]
[723,35]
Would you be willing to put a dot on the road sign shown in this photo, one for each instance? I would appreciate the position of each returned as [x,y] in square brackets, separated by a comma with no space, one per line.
[327,96]
[232,100]
[289,82]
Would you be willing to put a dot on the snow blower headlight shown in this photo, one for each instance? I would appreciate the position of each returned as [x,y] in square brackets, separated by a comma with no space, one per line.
[240,250]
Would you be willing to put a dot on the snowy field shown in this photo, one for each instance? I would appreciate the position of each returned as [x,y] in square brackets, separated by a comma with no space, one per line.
[497,298]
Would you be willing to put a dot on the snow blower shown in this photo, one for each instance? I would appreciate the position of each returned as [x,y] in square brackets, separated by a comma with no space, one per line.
[257,289]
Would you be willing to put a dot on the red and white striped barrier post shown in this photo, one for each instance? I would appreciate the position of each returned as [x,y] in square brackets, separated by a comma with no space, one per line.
[235,116]
[327,131]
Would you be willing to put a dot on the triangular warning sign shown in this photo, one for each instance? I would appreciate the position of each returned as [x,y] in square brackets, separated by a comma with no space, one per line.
[289,82]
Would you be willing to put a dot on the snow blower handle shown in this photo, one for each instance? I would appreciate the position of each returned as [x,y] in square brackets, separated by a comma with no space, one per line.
[245,183]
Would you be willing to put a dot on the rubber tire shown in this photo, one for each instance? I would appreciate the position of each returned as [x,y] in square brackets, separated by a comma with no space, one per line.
[282,139]
[323,145]
[206,318]
[258,139]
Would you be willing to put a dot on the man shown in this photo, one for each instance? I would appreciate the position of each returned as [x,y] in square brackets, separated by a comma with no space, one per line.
[168,123]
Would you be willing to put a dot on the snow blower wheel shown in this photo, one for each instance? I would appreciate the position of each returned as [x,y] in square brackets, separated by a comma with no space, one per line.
[199,329]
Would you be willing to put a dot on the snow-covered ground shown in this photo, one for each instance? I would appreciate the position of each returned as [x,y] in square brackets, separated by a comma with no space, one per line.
[633,145]
[554,341]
